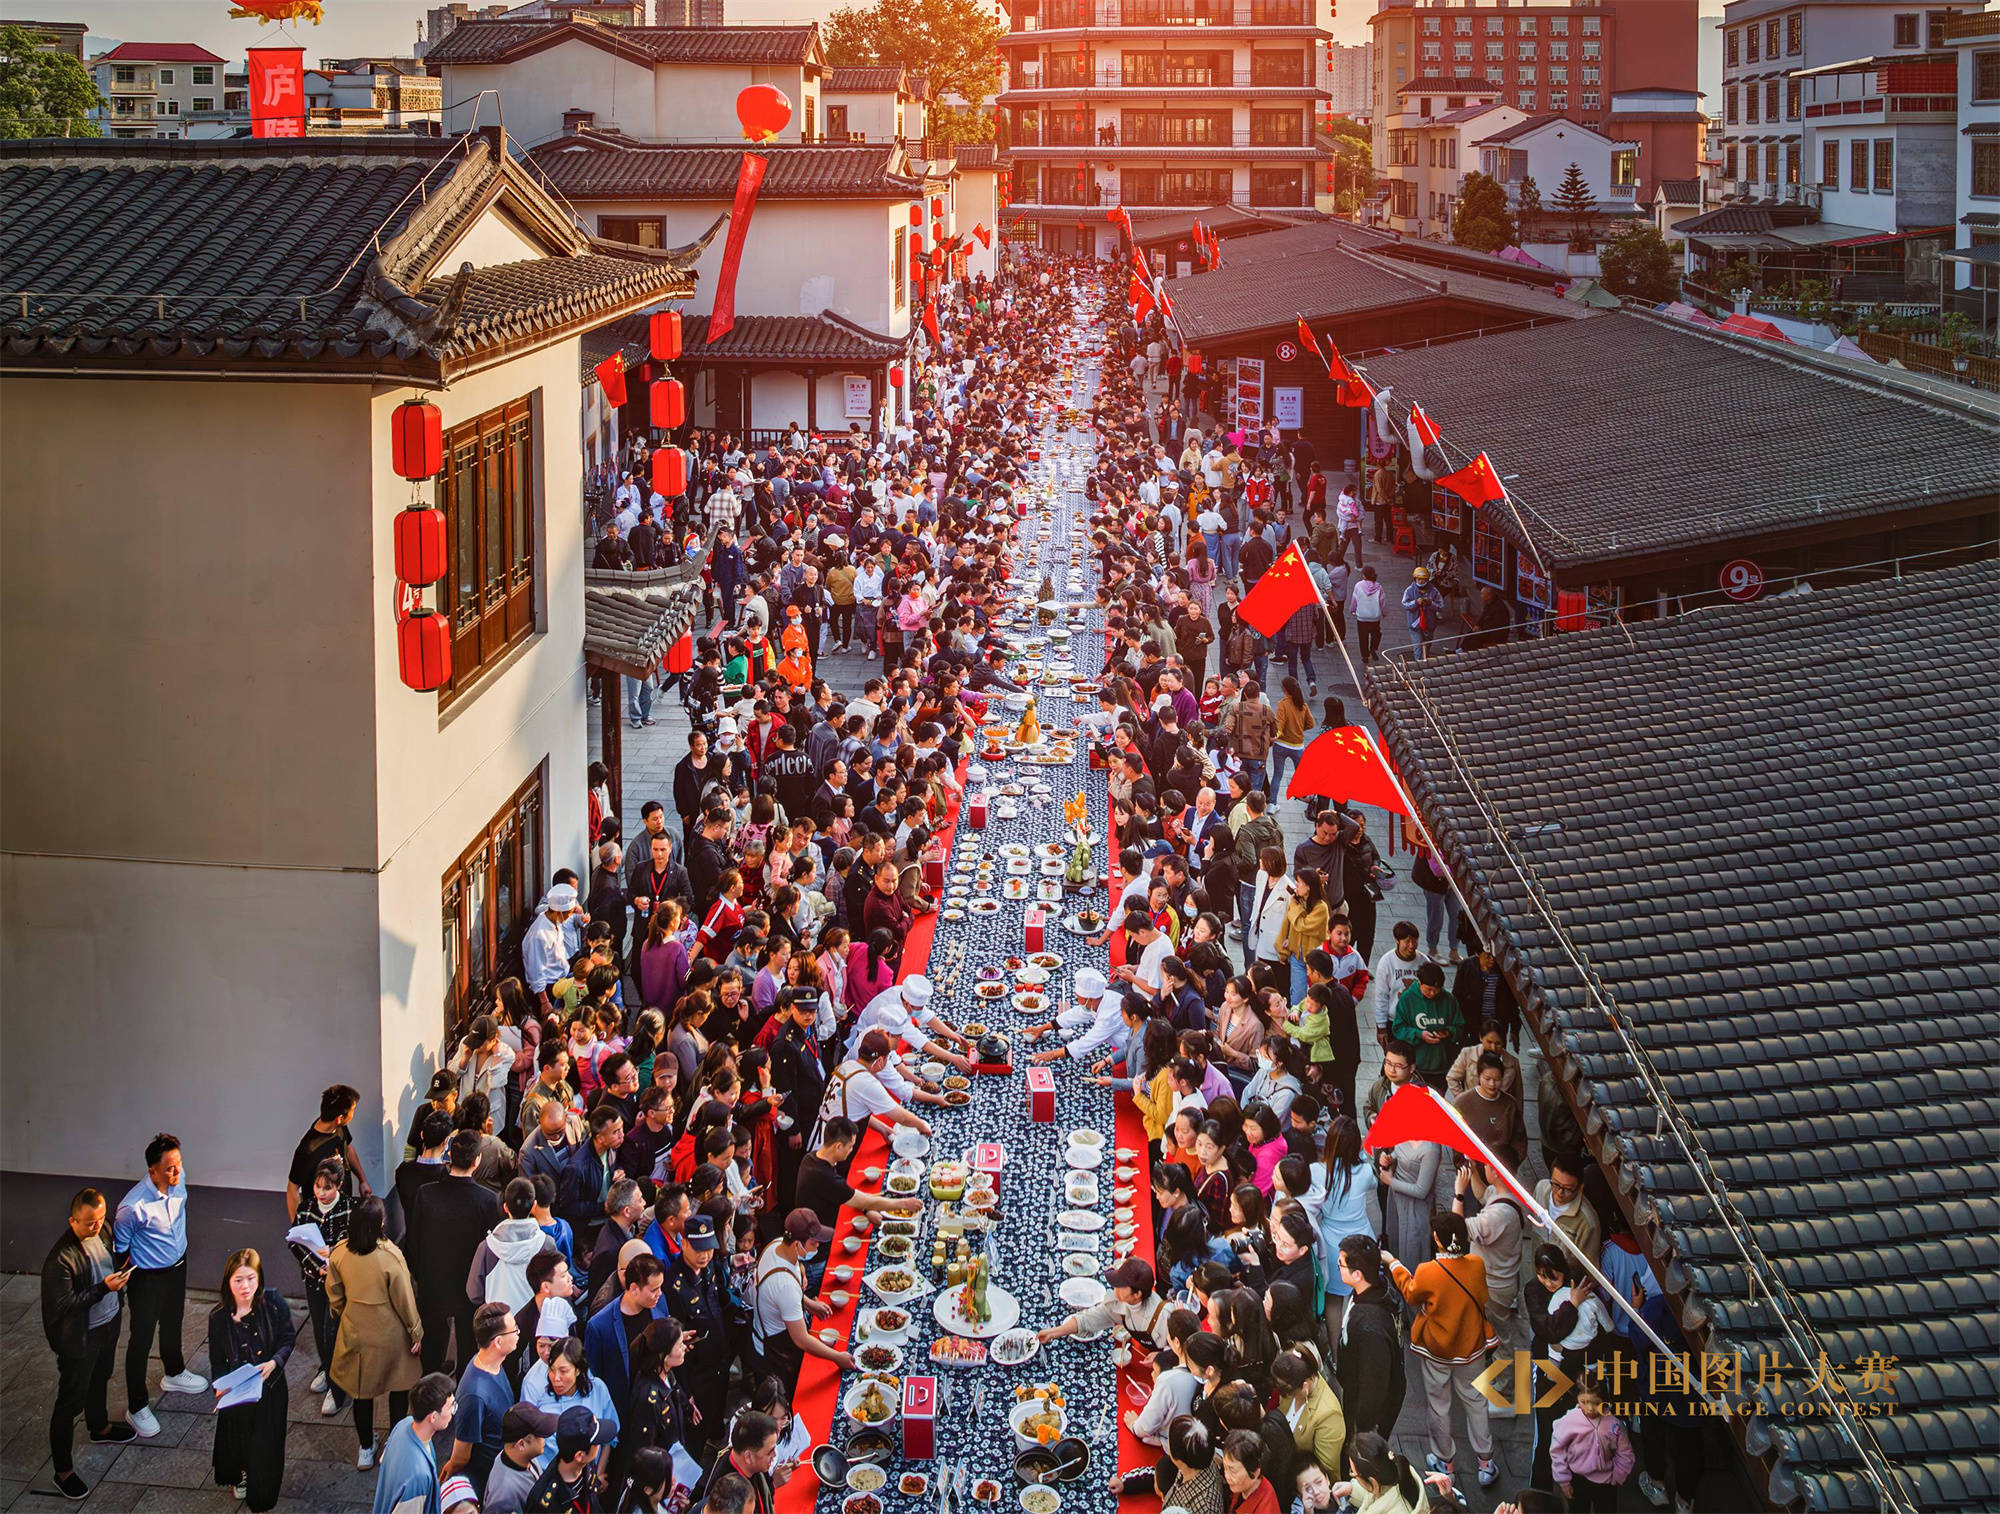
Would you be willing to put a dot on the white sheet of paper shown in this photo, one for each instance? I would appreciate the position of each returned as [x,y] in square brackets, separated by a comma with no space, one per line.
[687,1471]
[309,1235]
[243,1386]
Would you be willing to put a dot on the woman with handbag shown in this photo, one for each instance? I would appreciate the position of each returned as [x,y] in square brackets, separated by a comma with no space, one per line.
[1451,1337]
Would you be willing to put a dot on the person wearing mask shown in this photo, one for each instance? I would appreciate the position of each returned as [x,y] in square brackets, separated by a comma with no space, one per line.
[1450,1335]
[82,1294]
[328,1210]
[782,1306]
[453,1218]
[409,1460]
[151,1230]
[1379,1480]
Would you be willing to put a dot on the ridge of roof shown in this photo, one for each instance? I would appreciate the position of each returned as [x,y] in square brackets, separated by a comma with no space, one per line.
[499,40]
[589,165]
[158,52]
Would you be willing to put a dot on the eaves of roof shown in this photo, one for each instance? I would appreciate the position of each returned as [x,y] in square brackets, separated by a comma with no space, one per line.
[590,166]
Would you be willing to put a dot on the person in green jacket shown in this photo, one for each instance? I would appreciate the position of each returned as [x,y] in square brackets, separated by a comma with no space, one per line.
[1427,1017]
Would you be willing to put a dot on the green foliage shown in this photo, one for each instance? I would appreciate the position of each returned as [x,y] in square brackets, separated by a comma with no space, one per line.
[1482,220]
[961,124]
[954,44]
[43,94]
[1638,264]
[1528,197]
[1574,199]
[1737,277]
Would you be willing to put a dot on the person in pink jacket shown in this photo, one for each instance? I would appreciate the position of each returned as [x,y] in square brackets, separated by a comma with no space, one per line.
[1590,1453]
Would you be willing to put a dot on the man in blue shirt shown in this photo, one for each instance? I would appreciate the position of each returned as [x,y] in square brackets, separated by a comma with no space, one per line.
[409,1460]
[484,1395]
[151,1232]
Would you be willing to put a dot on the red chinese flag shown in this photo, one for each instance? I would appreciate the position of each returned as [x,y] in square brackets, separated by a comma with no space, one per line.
[749,179]
[1284,590]
[611,379]
[1416,1113]
[1477,483]
[1142,300]
[985,236]
[1139,266]
[1336,366]
[1345,764]
[1355,392]
[930,318]
[1306,338]
[277,91]
[1423,428]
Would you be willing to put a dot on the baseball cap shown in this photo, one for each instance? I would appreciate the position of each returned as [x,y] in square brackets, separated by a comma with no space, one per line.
[699,1232]
[562,897]
[1090,984]
[917,990]
[575,1431]
[802,1227]
[525,1419]
[1133,1273]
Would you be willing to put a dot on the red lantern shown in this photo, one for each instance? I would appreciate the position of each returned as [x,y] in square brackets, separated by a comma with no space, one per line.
[665,331]
[423,650]
[916,215]
[680,656]
[937,205]
[670,406]
[765,110]
[670,473]
[420,545]
[416,439]
[896,376]
[916,244]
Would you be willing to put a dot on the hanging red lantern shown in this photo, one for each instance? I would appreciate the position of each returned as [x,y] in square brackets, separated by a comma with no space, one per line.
[416,439]
[916,215]
[765,110]
[916,244]
[937,205]
[670,473]
[665,333]
[423,650]
[680,656]
[420,545]
[670,406]
[896,376]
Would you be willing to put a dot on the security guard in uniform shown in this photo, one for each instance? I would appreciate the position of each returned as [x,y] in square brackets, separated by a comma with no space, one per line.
[694,1294]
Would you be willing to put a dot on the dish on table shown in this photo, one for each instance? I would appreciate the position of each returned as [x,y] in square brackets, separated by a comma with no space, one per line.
[895,1248]
[1081,1292]
[986,1490]
[986,906]
[866,1477]
[1086,1137]
[861,1503]
[1080,1219]
[957,1080]
[1031,1002]
[1013,1347]
[876,1356]
[1048,961]
[990,990]
[895,1284]
[913,1484]
[1038,1498]
[1030,976]
[889,1322]
[1082,1156]
[871,1445]
[957,1098]
[1080,1263]
[900,1185]
[955,1351]
[868,1403]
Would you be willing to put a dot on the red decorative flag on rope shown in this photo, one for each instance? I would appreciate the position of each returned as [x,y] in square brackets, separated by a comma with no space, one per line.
[1139,265]
[1423,428]
[749,179]
[1307,340]
[1142,300]
[1336,366]
[1355,392]
[1477,483]
[611,379]
[1416,1113]
[1346,763]
[985,236]
[1286,588]
[930,318]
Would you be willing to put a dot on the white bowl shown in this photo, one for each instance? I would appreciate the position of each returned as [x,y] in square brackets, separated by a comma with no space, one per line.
[1045,1506]
[1022,1411]
[852,1397]
[1086,1137]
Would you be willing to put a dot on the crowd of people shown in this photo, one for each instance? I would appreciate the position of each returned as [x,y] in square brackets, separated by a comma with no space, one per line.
[591,1278]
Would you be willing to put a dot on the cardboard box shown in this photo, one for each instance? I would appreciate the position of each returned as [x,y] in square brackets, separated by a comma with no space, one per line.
[919,1418]
[1041,1095]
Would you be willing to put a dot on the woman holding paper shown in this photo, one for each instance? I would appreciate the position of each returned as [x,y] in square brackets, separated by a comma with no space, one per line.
[250,1338]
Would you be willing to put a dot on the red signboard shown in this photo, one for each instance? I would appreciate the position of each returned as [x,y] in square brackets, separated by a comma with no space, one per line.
[1742,579]
[1288,352]
[277,91]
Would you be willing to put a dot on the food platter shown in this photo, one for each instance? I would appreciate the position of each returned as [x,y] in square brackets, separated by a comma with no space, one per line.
[895,1284]
[1081,1292]
[878,1330]
[1086,1220]
[1011,1348]
[949,1310]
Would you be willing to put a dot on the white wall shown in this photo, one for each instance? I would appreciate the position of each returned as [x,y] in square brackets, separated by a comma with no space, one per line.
[537,89]
[977,197]
[873,114]
[489,241]
[800,257]
[697,102]
[1985,113]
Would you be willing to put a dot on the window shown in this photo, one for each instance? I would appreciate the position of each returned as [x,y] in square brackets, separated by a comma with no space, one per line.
[1770,99]
[1433,145]
[1451,152]
[1496,52]
[170,107]
[1593,26]
[1559,51]
[1403,149]
[1593,76]
[1175,186]
[204,73]
[1461,52]
[166,76]
[1936,30]
[1277,128]
[1433,27]
[1525,51]
[1461,26]
[1749,160]
[1496,26]
[1558,75]
[488,900]
[1751,107]
[1558,26]
[640,231]
[1527,99]
[203,102]
[1771,164]
[1729,105]
[1282,187]
[1885,166]
[1151,128]
[836,123]
[1558,100]
[1461,71]
[899,259]
[1795,34]
[1730,53]
[1524,74]
[1525,26]
[1986,76]
[1433,52]
[1592,99]
[1857,167]
[1906,31]
[1196,69]
[1792,150]
[487,495]
[1593,51]
[1750,39]
[1986,169]
[1791,99]
[1278,67]
[120,74]
[1829,165]
[1728,160]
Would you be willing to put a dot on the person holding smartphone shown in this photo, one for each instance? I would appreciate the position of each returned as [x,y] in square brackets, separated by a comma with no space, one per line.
[83,1287]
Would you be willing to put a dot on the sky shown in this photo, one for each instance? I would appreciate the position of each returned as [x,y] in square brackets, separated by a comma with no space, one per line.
[355,28]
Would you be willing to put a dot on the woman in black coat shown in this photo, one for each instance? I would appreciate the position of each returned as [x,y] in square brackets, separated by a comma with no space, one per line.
[1370,1362]
[658,1414]
[251,1326]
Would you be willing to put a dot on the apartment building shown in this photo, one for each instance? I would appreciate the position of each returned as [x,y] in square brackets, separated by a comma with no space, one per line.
[1158,105]
[1975,259]
[1768,45]
[1349,80]
[55,36]
[149,86]
[689,13]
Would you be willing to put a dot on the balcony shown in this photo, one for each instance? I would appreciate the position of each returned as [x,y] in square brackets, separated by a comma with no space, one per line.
[1079,15]
[141,85]
[1075,81]
[1233,143]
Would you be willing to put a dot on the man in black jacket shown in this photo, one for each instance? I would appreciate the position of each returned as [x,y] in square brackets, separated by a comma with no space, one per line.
[456,1213]
[80,1308]
[708,858]
[790,774]
[1325,851]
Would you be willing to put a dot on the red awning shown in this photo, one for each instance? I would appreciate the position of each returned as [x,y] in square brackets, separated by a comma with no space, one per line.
[1750,325]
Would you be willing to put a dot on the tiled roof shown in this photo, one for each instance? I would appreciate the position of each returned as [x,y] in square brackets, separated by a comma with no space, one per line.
[1747,219]
[1319,272]
[825,337]
[501,41]
[193,255]
[862,80]
[1772,833]
[1726,438]
[1463,113]
[590,166]
[1532,123]
[158,52]
[1217,218]
[630,620]
[976,155]
[1438,84]
[1681,191]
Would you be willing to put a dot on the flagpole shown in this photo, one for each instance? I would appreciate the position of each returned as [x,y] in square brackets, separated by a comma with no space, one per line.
[1547,1221]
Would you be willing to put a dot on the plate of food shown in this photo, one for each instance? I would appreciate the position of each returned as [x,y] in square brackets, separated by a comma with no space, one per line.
[991,974]
[866,1477]
[992,990]
[985,906]
[955,1351]
[1088,1220]
[1030,976]
[1079,1263]
[1020,866]
[1081,1292]
[878,1356]
[1031,1002]
[985,1490]
[1083,922]
[1015,888]
[900,1186]
[1075,1240]
[1049,891]
[894,1284]
[958,1311]
[913,1484]
[1080,1189]
[957,1080]
[1039,1498]
[889,1323]
[895,1248]
[1047,961]
[869,1403]
[953,913]
[1013,1347]
[1085,1136]
[956,1098]
[1012,849]
[861,1503]
[1085,1157]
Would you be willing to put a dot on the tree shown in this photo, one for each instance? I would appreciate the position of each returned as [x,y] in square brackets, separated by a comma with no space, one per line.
[1528,198]
[43,94]
[1482,221]
[1574,199]
[1638,264]
[953,44]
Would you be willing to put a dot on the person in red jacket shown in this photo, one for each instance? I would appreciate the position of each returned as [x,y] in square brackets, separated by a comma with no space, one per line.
[1250,1491]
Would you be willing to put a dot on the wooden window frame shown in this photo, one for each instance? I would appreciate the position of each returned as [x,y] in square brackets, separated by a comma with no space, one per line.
[477,954]
[502,448]
[615,229]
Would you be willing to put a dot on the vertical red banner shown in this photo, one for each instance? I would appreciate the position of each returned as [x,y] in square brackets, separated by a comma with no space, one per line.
[749,179]
[277,91]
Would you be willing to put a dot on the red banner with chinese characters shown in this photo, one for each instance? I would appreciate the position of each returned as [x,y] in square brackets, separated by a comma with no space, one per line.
[277,91]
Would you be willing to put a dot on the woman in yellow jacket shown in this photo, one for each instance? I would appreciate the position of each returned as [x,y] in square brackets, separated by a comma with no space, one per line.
[1288,743]
[1319,1429]
[1153,1092]
[1450,1335]
[1307,920]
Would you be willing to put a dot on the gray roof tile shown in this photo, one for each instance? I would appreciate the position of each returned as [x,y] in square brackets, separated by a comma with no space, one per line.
[592,166]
